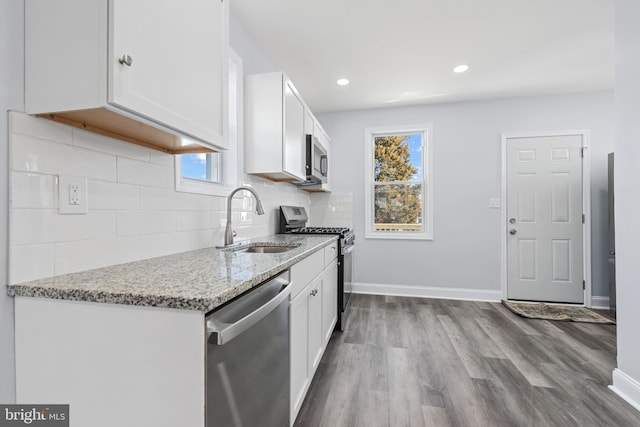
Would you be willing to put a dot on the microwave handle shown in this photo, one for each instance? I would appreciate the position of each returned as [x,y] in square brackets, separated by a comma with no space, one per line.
[324,165]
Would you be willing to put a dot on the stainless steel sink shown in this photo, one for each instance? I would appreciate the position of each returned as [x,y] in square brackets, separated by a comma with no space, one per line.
[269,249]
[264,247]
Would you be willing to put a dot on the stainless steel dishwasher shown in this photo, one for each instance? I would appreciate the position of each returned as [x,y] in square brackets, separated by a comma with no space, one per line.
[247,360]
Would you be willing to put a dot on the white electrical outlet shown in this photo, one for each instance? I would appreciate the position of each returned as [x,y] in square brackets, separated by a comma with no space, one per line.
[72,195]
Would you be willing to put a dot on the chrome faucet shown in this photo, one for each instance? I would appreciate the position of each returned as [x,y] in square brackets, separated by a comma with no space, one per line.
[228,232]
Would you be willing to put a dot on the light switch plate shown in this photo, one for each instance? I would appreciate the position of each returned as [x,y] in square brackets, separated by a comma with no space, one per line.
[72,195]
[494,203]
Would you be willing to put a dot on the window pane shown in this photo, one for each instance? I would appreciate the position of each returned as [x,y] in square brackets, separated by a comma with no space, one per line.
[201,166]
[194,166]
[398,157]
[398,207]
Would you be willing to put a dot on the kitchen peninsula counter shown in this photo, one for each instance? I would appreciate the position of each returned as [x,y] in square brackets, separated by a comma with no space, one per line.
[196,280]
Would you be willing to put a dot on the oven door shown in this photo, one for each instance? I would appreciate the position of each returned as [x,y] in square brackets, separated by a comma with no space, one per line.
[345,281]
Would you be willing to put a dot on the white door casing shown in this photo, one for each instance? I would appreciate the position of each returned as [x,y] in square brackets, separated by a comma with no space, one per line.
[544,218]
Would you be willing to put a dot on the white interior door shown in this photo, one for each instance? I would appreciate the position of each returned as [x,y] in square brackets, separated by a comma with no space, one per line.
[545,219]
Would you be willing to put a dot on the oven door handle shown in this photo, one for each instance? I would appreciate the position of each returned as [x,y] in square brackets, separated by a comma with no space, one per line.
[347,250]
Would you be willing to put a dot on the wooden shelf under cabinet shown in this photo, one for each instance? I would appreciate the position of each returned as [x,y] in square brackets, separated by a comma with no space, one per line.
[114,125]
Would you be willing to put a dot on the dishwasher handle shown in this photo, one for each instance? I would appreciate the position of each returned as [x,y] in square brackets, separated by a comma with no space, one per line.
[225,332]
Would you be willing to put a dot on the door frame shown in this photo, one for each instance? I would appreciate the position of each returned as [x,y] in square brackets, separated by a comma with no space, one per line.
[586,205]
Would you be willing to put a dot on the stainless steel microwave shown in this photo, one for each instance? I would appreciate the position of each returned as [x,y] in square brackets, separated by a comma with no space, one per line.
[317,161]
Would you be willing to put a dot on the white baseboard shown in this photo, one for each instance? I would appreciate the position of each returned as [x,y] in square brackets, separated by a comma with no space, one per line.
[600,303]
[427,292]
[626,387]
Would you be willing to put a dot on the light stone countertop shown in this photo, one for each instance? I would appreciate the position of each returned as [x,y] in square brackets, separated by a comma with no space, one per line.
[196,280]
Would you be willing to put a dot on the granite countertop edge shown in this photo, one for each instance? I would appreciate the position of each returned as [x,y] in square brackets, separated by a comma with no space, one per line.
[199,280]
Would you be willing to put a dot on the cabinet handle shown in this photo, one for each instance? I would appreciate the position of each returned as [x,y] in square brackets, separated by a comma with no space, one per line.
[314,292]
[126,60]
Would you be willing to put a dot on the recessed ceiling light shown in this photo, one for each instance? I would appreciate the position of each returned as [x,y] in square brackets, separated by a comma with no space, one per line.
[461,68]
[342,82]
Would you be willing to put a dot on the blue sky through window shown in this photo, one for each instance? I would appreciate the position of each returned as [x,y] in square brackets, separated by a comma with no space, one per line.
[415,152]
[194,166]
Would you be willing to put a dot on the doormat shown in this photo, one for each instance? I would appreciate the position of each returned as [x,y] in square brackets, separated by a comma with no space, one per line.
[557,312]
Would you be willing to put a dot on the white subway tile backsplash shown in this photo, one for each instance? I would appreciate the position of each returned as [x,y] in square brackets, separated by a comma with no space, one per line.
[110,195]
[155,245]
[161,199]
[29,190]
[30,154]
[161,158]
[72,257]
[199,202]
[132,223]
[31,262]
[134,211]
[95,225]
[200,220]
[104,144]
[40,128]
[34,226]
[144,173]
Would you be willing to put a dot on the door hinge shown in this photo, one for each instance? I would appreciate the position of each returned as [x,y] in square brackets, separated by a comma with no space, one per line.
[583,218]
[584,284]
[582,152]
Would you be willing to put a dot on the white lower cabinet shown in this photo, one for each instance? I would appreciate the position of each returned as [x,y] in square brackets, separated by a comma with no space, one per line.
[329,299]
[313,314]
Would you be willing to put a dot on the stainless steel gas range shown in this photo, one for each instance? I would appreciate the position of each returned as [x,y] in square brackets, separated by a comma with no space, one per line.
[293,219]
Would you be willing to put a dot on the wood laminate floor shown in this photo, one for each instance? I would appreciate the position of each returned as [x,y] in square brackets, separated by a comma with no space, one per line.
[426,362]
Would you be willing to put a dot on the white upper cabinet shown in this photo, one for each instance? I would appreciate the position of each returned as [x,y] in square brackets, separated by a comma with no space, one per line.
[274,128]
[144,71]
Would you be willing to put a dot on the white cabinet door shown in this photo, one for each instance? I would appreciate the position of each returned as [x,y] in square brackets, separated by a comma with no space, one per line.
[316,341]
[329,300]
[299,350]
[178,69]
[294,136]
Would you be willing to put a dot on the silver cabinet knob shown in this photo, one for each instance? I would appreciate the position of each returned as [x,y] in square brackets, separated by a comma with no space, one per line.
[126,60]
[512,231]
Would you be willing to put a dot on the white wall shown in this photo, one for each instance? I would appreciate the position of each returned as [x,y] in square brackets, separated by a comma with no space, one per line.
[255,59]
[626,379]
[11,97]
[465,253]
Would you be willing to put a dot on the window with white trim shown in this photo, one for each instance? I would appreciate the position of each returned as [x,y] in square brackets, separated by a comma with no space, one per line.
[399,182]
[217,173]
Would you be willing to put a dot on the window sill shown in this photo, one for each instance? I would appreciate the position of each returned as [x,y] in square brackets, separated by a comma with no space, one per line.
[398,236]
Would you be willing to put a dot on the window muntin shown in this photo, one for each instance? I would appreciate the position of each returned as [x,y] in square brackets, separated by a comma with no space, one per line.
[398,193]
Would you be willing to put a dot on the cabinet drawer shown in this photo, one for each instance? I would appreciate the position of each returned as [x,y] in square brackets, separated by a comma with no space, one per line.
[305,271]
[330,253]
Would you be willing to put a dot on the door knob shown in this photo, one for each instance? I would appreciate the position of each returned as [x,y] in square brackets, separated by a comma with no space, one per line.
[513,231]
[126,60]
[512,220]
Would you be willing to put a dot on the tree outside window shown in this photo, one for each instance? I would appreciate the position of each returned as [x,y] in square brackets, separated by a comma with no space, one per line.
[398,204]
